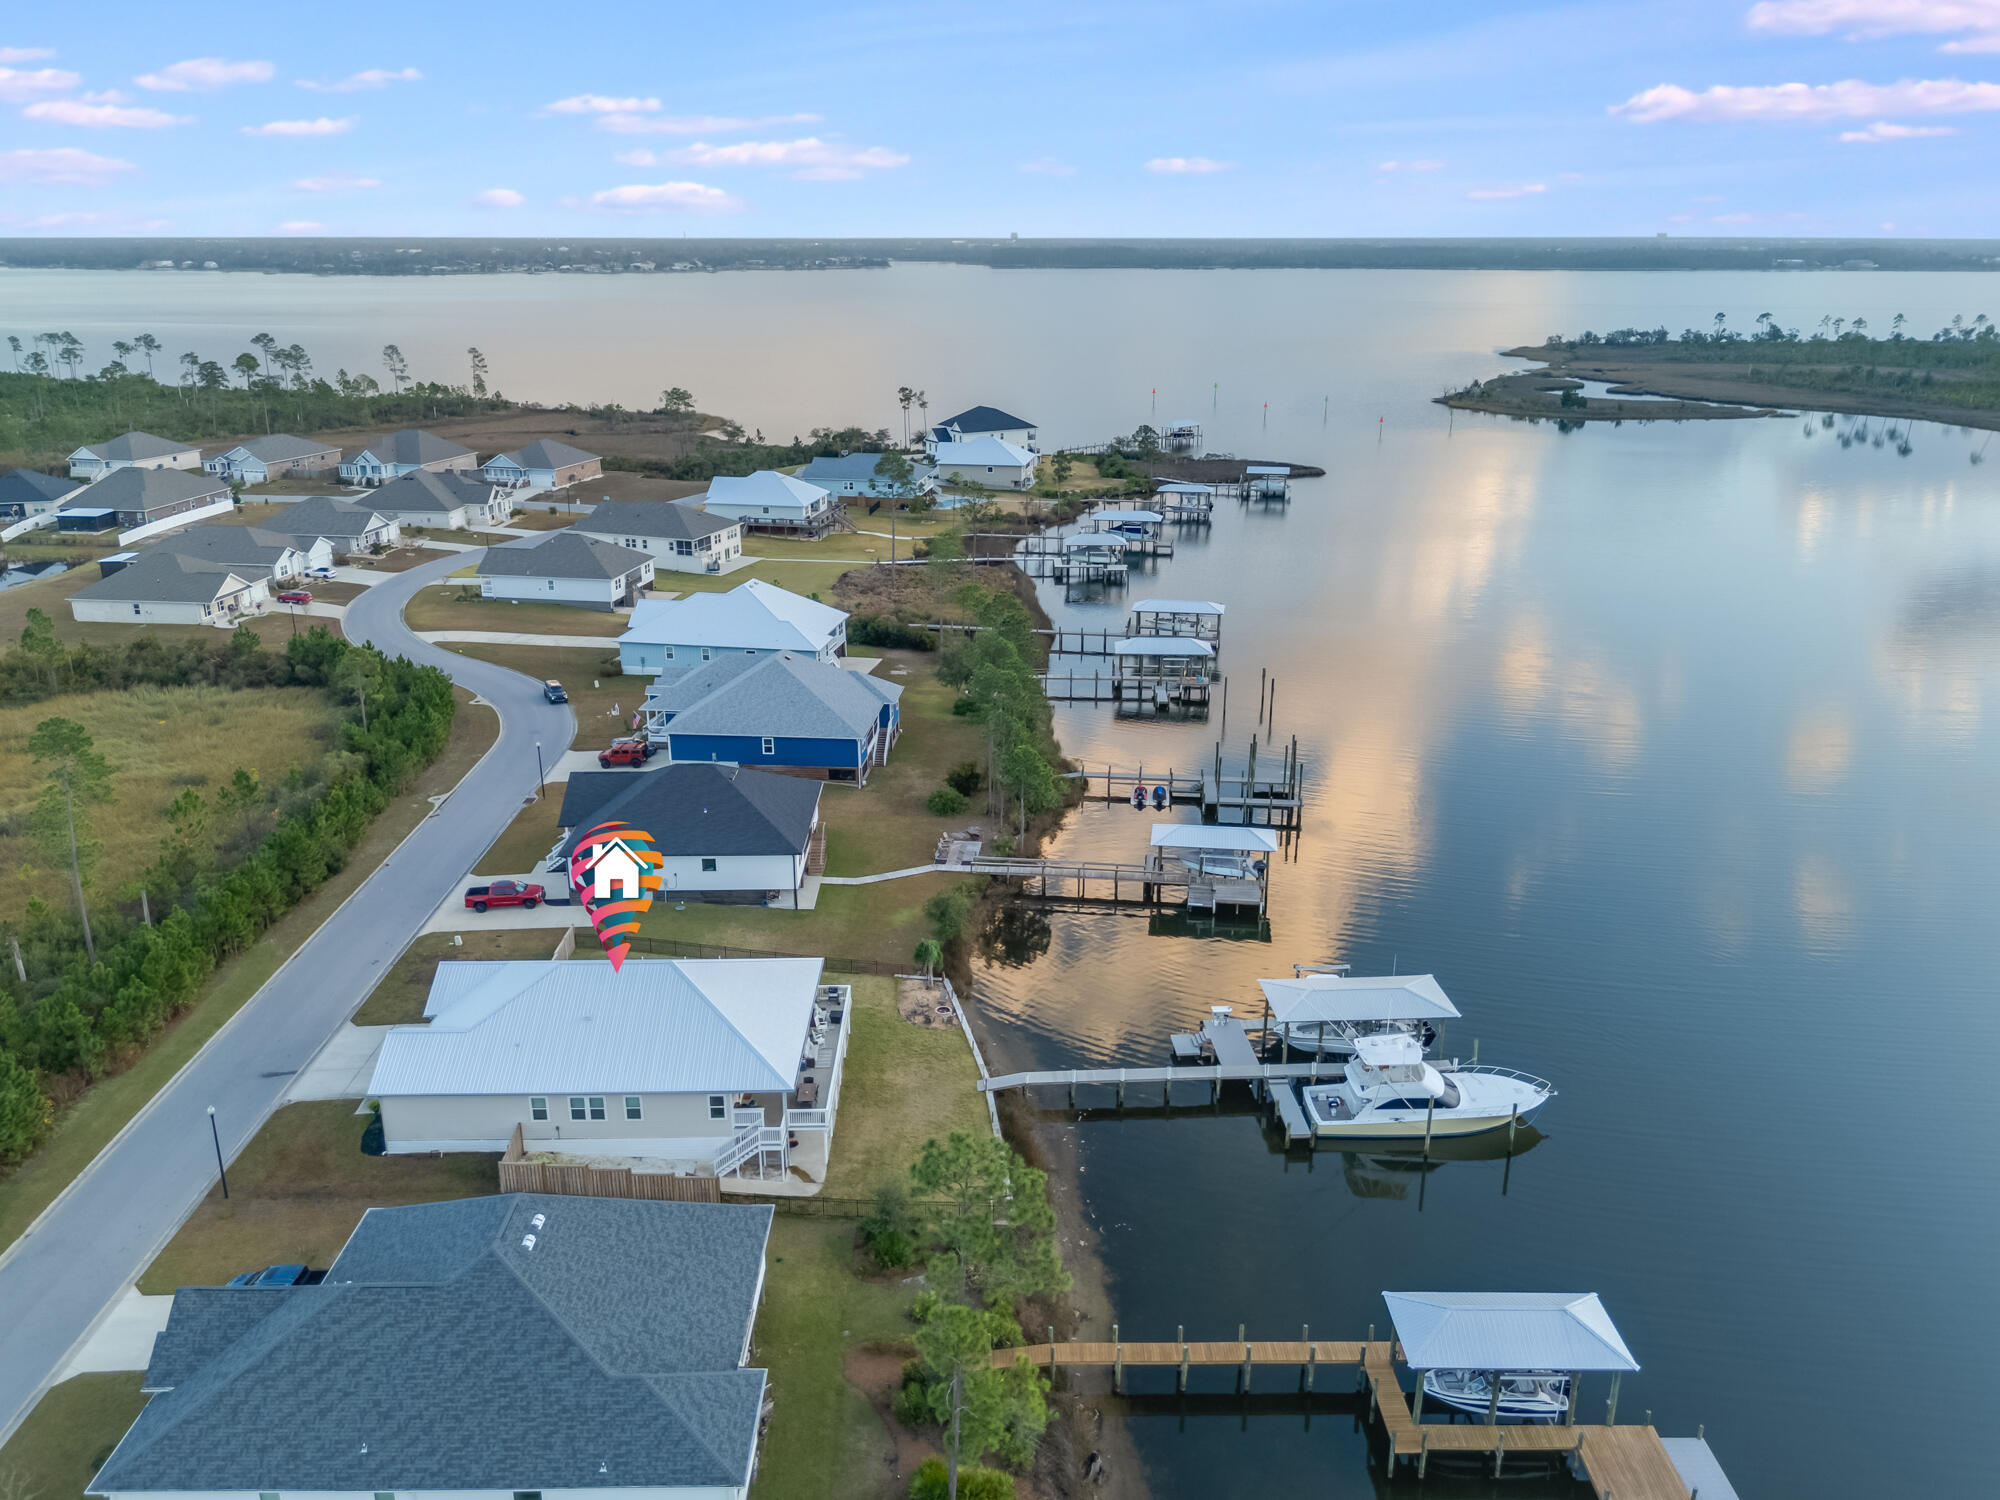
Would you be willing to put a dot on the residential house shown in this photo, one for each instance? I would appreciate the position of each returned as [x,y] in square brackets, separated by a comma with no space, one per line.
[854,474]
[442,501]
[544,465]
[978,422]
[135,450]
[679,538]
[565,568]
[685,1062]
[29,492]
[407,452]
[272,555]
[164,587]
[673,635]
[989,461]
[150,497]
[722,832]
[481,1348]
[770,501]
[266,458]
[784,711]
[347,525]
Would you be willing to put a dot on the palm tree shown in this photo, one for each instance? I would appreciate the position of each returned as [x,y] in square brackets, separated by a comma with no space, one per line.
[905,398]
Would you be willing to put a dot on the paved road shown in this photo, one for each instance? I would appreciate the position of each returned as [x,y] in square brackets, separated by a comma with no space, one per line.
[74,1266]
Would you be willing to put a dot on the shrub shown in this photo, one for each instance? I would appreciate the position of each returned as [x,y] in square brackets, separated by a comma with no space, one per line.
[945,802]
[888,632]
[975,1482]
[965,778]
[890,1231]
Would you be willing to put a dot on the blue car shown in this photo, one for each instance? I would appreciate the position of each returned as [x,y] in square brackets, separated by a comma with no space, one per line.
[271,1276]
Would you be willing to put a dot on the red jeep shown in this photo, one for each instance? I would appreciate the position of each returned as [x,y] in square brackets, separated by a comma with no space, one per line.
[630,751]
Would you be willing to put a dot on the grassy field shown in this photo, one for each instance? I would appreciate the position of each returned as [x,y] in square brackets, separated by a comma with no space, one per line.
[885,826]
[463,609]
[880,923]
[68,1436]
[332,591]
[297,1192]
[576,667]
[401,559]
[106,1108]
[803,570]
[160,742]
[536,517]
[399,999]
[526,840]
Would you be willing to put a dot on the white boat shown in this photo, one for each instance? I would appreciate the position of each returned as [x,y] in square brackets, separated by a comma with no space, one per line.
[1388,1092]
[1525,1395]
[1323,1012]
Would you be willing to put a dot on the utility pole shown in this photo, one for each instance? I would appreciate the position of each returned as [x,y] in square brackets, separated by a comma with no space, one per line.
[541,776]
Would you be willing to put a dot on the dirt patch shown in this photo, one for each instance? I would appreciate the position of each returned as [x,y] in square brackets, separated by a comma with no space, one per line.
[876,1370]
[923,1003]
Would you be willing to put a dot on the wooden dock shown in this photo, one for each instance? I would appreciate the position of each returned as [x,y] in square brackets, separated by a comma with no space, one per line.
[1144,885]
[1223,796]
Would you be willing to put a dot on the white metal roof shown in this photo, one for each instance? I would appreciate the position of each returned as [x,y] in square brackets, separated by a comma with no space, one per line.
[1267,469]
[1507,1331]
[1183,487]
[656,1026]
[1340,997]
[1091,541]
[766,487]
[975,452]
[1177,607]
[1214,836]
[1163,645]
[1129,515]
[755,615]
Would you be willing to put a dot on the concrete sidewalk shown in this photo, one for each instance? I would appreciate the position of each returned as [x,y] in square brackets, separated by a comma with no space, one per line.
[342,1068]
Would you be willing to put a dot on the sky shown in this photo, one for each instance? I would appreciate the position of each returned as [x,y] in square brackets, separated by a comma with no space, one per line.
[1695,117]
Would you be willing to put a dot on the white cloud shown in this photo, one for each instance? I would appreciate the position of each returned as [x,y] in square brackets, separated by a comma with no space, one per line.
[367,78]
[628,123]
[599,104]
[1187,165]
[1871,20]
[1884,130]
[301,226]
[321,126]
[810,157]
[105,96]
[694,196]
[1848,99]
[59,164]
[336,182]
[1048,166]
[25,83]
[25,54]
[203,74]
[499,198]
[1525,190]
[101,116]
[1410,166]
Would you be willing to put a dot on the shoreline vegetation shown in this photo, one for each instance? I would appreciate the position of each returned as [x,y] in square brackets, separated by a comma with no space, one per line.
[1951,376]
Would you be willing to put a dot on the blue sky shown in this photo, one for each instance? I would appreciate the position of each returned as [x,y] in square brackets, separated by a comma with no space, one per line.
[1810,117]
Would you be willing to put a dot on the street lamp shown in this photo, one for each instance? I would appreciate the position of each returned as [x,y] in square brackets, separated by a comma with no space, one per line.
[216,1136]
[541,776]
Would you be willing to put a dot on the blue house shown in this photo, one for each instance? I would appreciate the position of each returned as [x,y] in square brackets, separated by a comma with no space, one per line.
[786,710]
[854,474]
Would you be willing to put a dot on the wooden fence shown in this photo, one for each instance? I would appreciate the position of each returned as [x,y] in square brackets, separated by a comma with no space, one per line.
[574,1180]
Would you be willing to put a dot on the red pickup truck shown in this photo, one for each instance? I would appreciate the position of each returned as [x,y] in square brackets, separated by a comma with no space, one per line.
[633,751]
[503,893]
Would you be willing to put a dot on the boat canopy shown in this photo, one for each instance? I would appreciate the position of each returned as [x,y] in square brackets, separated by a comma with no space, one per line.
[1389,1049]
[1272,469]
[1176,607]
[1316,998]
[1091,541]
[1163,645]
[1214,836]
[1507,1331]
[1184,487]
[1130,515]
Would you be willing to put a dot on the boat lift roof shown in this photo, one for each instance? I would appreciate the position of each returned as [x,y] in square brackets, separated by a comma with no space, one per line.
[1129,515]
[1183,487]
[1507,1331]
[1093,540]
[1315,998]
[1176,607]
[1214,836]
[1163,645]
[1267,469]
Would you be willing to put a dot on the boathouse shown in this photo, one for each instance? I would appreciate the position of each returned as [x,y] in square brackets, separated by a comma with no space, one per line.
[1199,619]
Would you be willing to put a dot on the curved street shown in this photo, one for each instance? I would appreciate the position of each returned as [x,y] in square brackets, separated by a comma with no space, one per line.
[58,1279]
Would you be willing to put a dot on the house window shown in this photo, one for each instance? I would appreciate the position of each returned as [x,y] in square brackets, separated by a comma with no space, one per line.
[135,610]
[668,652]
[717,1108]
[552,585]
[596,1106]
[586,1108]
[706,654]
[538,1109]
[770,745]
[632,1111]
[708,867]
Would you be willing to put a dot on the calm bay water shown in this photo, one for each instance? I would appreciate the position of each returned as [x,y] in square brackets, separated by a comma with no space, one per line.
[1664,747]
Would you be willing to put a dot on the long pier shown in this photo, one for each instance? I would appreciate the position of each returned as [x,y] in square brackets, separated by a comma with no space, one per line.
[1240,793]
[1144,885]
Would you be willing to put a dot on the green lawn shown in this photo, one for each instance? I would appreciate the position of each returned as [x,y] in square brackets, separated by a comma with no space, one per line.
[463,609]
[399,998]
[878,923]
[577,668]
[539,519]
[527,839]
[802,572]
[68,1436]
[885,825]
[297,1192]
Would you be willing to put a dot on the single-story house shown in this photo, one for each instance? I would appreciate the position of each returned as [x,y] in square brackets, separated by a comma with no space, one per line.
[444,501]
[544,465]
[164,587]
[770,501]
[30,492]
[672,635]
[513,1345]
[407,452]
[272,554]
[347,525]
[273,457]
[854,474]
[135,450]
[145,497]
[989,461]
[680,538]
[721,830]
[978,422]
[683,1061]
[783,711]
[564,568]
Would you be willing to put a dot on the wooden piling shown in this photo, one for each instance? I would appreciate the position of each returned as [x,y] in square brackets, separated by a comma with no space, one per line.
[1117,1363]
[1312,1354]
[1430,1117]
[1493,1399]
[1180,1333]
[1243,1376]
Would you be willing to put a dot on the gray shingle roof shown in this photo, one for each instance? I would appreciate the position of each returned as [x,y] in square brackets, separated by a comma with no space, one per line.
[697,809]
[546,453]
[441,1353]
[667,519]
[977,419]
[323,515]
[163,576]
[143,489]
[412,446]
[33,487]
[137,446]
[245,546]
[780,694]
[561,554]
[282,447]
[861,466]
[427,492]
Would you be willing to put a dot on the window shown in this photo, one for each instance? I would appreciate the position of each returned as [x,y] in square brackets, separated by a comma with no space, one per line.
[770,745]
[706,654]
[708,867]
[632,1110]
[590,1108]
[596,1106]
[135,609]
[669,653]
[538,1109]
[552,585]
[717,1109]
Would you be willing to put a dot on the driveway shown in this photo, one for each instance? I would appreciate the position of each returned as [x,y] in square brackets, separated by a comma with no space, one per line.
[72,1267]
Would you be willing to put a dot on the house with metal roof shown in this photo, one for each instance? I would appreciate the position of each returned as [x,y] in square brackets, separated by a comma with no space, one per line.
[406,452]
[30,492]
[272,554]
[781,710]
[134,450]
[854,474]
[982,421]
[347,525]
[679,537]
[562,567]
[770,501]
[162,586]
[675,635]
[449,500]
[543,465]
[681,1061]
[722,832]
[274,457]
[155,499]
[509,1345]
[991,461]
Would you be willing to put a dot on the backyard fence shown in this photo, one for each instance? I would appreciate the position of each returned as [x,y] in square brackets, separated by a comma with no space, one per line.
[572,1180]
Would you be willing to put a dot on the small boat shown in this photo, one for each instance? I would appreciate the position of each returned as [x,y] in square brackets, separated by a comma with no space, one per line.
[1525,1395]
[1388,1092]
[1159,796]
[1139,797]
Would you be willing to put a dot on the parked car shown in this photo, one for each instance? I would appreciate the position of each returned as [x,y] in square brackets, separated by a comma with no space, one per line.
[554,691]
[631,751]
[504,893]
[295,596]
[273,1276]
[319,572]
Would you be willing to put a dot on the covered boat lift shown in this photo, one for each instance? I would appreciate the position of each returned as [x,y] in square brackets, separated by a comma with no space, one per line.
[1267,482]
[1198,619]
[1232,865]
[1506,1332]
[1143,531]
[1185,501]
[1310,1006]
[1165,668]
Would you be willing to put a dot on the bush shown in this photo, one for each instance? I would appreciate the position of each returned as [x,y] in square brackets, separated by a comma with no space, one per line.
[948,912]
[888,632]
[965,778]
[975,1482]
[890,1231]
[945,802]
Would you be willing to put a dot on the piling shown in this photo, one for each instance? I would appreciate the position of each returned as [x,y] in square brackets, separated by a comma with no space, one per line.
[1243,1375]
[1312,1353]
[1180,1333]
[1117,1363]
